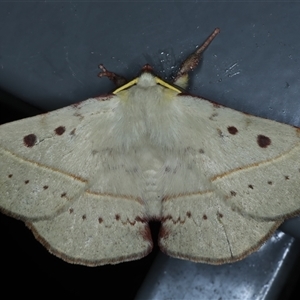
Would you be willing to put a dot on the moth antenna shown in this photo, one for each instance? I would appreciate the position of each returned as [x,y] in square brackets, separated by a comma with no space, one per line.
[192,61]
[118,80]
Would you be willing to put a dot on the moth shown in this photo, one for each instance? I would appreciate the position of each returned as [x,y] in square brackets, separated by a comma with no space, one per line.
[87,178]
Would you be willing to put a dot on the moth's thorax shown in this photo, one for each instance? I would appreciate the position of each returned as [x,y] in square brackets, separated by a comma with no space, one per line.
[149,111]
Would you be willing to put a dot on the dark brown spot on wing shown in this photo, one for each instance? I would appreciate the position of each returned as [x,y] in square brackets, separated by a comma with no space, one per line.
[83,217]
[60,130]
[30,140]
[250,186]
[10,175]
[45,187]
[219,215]
[233,193]
[188,214]
[232,130]
[201,151]
[100,220]
[63,194]
[270,182]
[204,217]
[71,210]
[26,181]
[286,177]
[117,217]
[263,141]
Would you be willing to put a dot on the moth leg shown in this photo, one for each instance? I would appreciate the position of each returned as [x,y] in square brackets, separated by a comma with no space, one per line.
[117,79]
[192,61]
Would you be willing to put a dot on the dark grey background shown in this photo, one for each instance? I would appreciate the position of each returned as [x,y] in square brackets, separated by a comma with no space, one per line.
[49,57]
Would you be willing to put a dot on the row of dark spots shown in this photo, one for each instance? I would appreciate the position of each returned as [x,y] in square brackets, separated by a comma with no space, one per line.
[204,217]
[219,216]
[83,217]
[189,215]
[31,139]
[117,218]
[250,186]
[45,187]
[262,140]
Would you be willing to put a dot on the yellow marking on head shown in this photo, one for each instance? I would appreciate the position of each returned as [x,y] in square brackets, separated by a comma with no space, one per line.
[125,86]
[157,80]
[167,85]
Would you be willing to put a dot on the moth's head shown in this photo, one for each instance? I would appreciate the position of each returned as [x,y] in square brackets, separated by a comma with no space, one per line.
[147,69]
[147,80]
